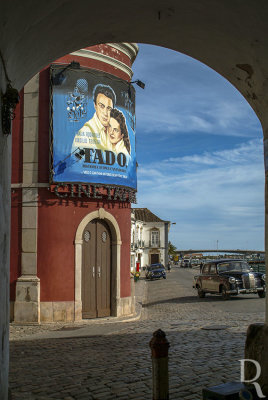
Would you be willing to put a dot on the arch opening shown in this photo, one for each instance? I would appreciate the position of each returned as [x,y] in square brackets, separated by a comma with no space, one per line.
[100,214]
[228,44]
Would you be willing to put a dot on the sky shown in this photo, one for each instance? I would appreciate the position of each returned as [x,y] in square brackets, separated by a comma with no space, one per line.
[200,153]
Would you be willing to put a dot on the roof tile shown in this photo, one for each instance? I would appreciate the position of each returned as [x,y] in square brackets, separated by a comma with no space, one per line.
[143,214]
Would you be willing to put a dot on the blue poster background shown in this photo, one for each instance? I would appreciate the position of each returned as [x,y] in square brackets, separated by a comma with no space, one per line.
[73,106]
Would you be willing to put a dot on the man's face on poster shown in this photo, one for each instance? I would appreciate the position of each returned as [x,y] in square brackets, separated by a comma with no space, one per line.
[103,107]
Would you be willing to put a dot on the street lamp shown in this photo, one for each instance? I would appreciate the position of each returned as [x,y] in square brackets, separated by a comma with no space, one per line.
[138,83]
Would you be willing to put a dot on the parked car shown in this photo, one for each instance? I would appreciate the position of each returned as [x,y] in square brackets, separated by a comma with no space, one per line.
[196,262]
[155,271]
[229,277]
[186,263]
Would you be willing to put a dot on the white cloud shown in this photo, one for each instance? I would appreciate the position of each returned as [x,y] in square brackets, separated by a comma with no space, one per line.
[246,153]
[183,95]
[224,197]
[186,112]
[234,120]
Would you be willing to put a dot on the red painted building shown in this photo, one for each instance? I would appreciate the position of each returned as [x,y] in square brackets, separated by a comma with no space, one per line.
[70,242]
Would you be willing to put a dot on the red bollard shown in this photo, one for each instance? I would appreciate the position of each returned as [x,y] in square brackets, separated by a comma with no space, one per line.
[159,347]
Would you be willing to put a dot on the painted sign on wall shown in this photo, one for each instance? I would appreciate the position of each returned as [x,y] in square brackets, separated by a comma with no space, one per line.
[93,128]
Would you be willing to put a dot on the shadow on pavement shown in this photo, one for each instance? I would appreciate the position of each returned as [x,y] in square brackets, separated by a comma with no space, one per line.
[196,299]
[120,366]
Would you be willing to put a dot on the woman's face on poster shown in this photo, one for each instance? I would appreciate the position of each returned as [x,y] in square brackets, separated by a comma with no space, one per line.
[114,131]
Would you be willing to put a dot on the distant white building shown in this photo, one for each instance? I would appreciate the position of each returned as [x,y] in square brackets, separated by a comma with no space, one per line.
[149,238]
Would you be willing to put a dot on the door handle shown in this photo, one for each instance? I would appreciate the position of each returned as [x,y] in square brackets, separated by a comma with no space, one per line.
[93,272]
[99,272]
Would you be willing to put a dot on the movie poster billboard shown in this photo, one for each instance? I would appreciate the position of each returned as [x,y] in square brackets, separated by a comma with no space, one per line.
[93,128]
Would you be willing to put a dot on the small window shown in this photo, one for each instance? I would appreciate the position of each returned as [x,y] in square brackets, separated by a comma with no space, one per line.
[224,267]
[205,269]
[87,236]
[213,269]
[155,238]
[104,236]
[137,234]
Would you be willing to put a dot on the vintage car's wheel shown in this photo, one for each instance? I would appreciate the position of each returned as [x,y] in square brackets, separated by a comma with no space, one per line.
[224,293]
[261,294]
[201,293]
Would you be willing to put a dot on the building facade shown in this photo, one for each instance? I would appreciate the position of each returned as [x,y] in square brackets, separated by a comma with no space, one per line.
[70,233]
[149,238]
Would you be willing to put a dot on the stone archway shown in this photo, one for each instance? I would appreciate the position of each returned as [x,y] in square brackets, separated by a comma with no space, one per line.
[116,249]
[231,39]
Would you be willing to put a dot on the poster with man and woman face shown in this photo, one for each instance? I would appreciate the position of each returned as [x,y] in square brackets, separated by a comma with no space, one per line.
[93,128]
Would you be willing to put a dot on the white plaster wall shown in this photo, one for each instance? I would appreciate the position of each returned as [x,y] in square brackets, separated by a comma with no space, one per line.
[146,234]
[145,258]
[147,229]
[5,168]
[162,235]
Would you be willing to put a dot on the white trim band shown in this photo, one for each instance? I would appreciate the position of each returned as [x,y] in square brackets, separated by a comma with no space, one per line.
[106,59]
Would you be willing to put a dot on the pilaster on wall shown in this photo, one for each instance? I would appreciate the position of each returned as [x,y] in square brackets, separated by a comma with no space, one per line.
[27,304]
[30,131]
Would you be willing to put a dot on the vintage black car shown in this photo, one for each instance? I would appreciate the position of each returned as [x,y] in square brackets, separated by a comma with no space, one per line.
[155,271]
[229,277]
[186,263]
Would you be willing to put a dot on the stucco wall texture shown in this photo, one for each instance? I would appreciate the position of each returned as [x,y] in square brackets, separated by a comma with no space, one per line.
[58,218]
[57,224]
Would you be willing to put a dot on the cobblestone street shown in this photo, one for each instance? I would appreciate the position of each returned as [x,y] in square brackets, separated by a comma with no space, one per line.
[110,360]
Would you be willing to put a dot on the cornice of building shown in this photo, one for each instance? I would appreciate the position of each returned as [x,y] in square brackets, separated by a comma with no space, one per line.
[29,185]
[130,49]
[104,58]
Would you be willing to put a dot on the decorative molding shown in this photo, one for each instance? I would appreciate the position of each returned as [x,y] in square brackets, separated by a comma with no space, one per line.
[104,58]
[110,219]
[101,213]
[129,49]
[29,185]
[116,242]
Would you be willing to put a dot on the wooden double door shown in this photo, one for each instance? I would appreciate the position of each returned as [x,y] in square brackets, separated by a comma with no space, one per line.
[154,258]
[96,270]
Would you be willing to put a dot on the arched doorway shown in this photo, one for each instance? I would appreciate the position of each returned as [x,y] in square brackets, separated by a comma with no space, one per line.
[96,270]
[98,228]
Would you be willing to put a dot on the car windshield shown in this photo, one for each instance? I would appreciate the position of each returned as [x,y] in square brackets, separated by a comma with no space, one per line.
[239,266]
[153,267]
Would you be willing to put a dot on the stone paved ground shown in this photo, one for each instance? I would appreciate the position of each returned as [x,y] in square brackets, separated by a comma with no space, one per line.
[112,360]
